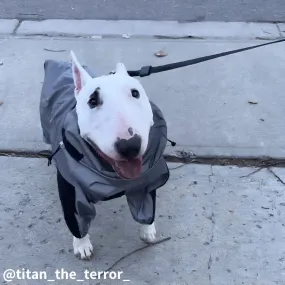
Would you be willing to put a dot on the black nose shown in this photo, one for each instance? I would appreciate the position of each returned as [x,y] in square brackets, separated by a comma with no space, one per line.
[129,148]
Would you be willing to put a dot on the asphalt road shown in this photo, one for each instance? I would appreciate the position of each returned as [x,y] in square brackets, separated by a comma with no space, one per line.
[182,10]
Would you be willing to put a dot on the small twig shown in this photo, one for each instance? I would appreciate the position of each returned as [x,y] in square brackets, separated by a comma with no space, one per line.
[179,166]
[139,249]
[278,178]
[52,50]
[262,167]
[253,172]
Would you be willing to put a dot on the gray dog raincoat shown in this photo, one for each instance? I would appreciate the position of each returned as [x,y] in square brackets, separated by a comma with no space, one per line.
[83,177]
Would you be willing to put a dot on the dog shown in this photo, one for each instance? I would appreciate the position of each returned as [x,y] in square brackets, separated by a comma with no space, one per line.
[107,139]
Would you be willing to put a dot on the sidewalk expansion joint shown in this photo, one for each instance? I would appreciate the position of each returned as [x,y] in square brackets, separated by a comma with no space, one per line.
[36,25]
[261,162]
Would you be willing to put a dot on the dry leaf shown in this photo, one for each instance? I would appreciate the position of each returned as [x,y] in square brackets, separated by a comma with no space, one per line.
[252,102]
[161,53]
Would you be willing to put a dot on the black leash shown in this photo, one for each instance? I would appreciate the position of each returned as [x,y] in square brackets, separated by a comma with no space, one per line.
[148,70]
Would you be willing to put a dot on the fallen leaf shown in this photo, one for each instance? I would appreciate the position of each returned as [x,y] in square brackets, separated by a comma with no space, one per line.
[262,120]
[161,53]
[252,102]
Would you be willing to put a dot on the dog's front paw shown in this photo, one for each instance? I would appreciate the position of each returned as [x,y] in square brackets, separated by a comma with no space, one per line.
[148,233]
[83,248]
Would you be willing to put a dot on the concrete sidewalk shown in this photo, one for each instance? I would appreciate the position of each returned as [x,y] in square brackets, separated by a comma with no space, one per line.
[225,230]
[207,106]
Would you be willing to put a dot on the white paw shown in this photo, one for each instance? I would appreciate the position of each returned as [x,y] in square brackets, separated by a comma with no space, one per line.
[83,248]
[148,233]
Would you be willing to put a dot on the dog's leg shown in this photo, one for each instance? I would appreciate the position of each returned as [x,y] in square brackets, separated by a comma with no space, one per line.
[81,245]
[148,233]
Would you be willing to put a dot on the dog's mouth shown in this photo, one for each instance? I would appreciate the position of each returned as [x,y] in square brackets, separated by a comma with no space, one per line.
[127,169]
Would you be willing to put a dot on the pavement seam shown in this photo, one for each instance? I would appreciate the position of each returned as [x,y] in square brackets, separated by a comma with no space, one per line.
[280,32]
[16,27]
[154,39]
[172,158]
[148,29]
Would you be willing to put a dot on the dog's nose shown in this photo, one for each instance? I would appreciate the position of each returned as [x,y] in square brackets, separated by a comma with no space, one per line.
[129,148]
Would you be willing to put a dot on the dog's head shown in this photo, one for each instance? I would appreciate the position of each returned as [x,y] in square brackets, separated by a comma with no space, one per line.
[114,117]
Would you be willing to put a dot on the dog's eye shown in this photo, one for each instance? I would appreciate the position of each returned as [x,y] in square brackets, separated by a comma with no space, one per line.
[135,93]
[94,99]
[93,102]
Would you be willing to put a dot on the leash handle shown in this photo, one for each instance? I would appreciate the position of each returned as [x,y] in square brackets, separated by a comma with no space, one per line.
[148,70]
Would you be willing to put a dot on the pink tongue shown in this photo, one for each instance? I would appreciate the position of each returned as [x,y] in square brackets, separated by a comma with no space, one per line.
[129,169]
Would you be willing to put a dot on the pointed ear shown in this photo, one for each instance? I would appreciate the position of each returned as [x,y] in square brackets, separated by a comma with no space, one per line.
[121,69]
[80,76]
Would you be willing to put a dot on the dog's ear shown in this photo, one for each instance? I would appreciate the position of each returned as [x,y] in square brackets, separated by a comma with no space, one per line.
[80,76]
[121,69]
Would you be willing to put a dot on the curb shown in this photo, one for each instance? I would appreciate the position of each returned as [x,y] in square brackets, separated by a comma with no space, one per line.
[8,26]
[154,29]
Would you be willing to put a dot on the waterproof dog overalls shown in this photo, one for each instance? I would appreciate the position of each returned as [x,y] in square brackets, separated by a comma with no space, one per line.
[83,177]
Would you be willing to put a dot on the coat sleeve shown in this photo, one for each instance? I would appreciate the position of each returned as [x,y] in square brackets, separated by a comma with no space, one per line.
[142,206]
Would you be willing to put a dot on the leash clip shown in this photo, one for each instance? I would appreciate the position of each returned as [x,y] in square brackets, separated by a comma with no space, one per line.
[145,71]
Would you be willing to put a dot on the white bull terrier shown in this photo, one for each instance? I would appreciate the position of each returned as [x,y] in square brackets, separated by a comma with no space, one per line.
[109,127]
[115,116]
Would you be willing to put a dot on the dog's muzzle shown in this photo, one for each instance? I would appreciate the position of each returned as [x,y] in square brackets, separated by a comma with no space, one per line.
[129,149]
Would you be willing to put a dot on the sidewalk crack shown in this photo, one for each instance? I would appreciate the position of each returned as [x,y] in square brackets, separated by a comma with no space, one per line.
[209,268]
[17,27]
[211,175]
